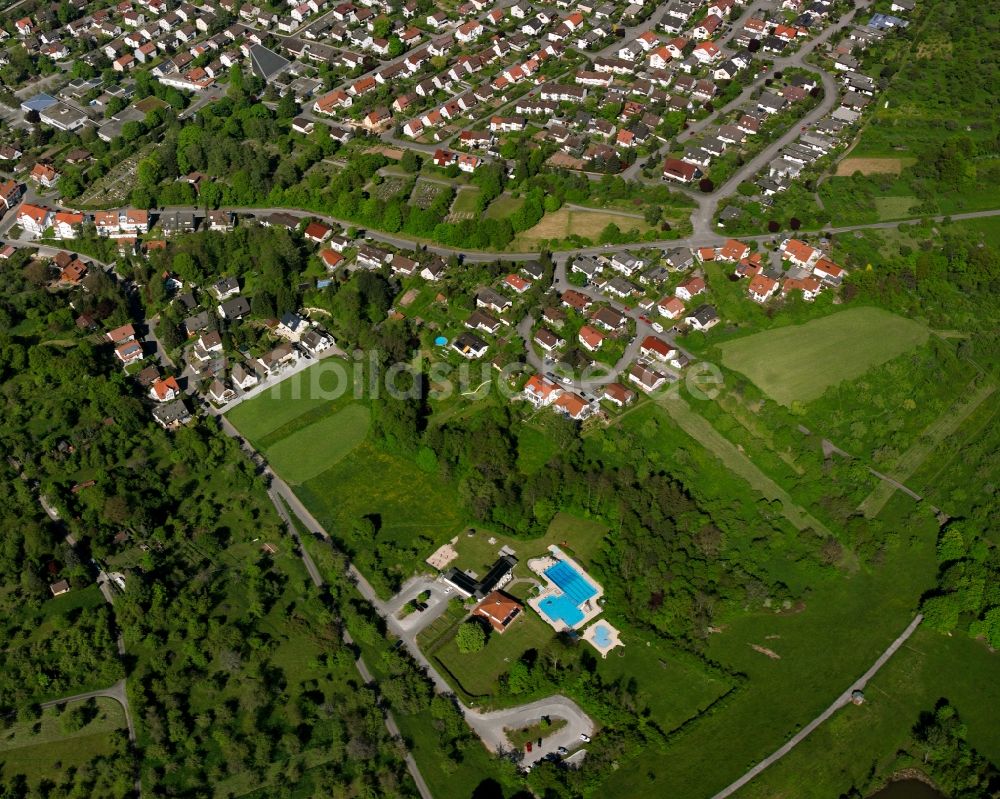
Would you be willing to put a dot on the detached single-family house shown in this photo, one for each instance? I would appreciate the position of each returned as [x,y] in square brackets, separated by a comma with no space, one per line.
[690,288]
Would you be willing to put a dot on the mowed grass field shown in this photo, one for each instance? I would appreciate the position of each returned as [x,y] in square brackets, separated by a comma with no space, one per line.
[33,748]
[305,424]
[326,441]
[288,400]
[798,363]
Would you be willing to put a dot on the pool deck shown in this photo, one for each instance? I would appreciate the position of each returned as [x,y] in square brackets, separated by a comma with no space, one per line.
[613,637]
[590,609]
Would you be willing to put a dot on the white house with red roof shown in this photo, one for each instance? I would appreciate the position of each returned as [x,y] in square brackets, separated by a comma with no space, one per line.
[65,224]
[655,347]
[733,250]
[799,253]
[707,52]
[518,283]
[540,391]
[165,390]
[670,307]
[690,288]
[762,288]
[573,405]
[590,338]
[34,219]
[827,271]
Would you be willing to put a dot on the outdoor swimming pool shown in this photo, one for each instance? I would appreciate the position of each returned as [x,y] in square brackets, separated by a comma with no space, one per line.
[602,636]
[575,591]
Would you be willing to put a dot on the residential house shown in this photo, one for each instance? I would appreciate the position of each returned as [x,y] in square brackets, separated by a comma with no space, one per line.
[541,391]
[617,394]
[165,390]
[44,175]
[646,378]
[548,340]
[281,357]
[130,352]
[572,405]
[690,288]
[171,415]
[590,338]
[469,346]
[799,253]
[670,307]
[762,287]
[236,308]
[705,317]
[488,298]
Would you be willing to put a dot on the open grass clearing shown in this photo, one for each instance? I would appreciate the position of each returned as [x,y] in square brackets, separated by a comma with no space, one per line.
[408,502]
[895,207]
[34,748]
[798,363]
[466,200]
[503,206]
[841,753]
[476,674]
[286,401]
[315,448]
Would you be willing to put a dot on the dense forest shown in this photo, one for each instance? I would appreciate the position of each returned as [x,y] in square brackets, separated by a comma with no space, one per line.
[238,675]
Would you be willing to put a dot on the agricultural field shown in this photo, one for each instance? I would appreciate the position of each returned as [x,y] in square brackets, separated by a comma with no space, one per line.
[799,363]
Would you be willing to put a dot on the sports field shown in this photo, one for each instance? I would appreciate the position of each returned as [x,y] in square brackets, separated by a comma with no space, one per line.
[798,363]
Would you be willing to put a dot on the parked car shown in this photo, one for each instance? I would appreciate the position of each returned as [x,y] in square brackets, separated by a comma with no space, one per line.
[527,746]
[563,750]
[584,737]
[656,326]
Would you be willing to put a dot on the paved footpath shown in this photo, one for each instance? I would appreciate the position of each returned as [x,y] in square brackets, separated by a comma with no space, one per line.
[839,702]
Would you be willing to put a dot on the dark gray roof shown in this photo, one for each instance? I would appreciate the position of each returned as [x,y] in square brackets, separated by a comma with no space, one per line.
[266,63]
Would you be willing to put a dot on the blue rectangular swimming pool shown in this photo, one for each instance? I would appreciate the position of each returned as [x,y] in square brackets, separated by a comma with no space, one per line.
[575,591]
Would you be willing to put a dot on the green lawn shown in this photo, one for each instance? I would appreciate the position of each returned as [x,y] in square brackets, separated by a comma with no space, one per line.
[503,206]
[475,675]
[413,509]
[286,401]
[313,449]
[842,752]
[465,200]
[671,683]
[34,748]
[798,363]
